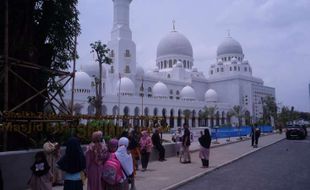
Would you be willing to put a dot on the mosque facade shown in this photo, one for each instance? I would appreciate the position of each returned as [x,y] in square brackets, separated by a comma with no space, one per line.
[174,85]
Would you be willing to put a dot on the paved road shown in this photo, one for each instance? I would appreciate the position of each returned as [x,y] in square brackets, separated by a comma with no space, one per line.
[282,166]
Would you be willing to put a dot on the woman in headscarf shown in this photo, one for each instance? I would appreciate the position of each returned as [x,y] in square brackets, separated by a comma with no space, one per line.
[73,163]
[146,148]
[96,154]
[52,151]
[113,145]
[41,178]
[133,147]
[205,141]
[125,159]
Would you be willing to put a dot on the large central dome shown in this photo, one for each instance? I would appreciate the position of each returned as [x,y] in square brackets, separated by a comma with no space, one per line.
[229,46]
[174,43]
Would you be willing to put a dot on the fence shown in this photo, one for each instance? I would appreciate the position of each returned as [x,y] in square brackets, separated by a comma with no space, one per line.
[226,132]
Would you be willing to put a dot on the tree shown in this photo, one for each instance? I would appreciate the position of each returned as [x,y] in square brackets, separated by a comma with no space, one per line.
[209,113]
[187,113]
[269,109]
[238,112]
[41,32]
[284,116]
[102,52]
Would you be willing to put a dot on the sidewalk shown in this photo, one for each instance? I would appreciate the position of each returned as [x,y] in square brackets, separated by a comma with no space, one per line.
[170,174]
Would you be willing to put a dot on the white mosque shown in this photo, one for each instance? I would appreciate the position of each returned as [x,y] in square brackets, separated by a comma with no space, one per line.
[174,85]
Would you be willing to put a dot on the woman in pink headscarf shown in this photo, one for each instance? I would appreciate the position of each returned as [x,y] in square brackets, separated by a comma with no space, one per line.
[96,154]
[146,148]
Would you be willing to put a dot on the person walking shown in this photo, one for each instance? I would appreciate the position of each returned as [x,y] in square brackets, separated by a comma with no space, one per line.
[186,142]
[41,178]
[257,135]
[126,162]
[205,142]
[96,154]
[133,147]
[177,139]
[52,151]
[158,146]
[146,148]
[73,163]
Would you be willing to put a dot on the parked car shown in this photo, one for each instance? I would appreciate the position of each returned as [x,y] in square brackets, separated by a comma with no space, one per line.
[296,131]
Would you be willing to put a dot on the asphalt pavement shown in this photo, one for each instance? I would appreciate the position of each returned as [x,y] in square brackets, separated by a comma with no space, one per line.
[281,166]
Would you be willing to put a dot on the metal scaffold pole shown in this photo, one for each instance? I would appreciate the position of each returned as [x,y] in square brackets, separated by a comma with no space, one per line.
[6,67]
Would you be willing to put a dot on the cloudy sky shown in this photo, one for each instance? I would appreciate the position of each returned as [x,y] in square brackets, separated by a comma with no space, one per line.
[274,34]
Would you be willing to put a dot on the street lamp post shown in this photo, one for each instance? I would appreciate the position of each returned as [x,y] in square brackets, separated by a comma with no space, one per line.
[142,96]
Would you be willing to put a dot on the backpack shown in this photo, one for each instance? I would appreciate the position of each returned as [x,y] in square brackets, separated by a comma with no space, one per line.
[112,171]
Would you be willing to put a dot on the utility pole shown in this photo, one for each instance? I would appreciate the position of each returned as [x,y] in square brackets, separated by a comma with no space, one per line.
[6,66]
[142,96]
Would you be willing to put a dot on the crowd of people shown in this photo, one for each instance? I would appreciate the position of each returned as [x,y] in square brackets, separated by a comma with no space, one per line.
[108,165]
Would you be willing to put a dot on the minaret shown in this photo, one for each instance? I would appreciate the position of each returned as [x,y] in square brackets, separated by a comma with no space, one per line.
[123,49]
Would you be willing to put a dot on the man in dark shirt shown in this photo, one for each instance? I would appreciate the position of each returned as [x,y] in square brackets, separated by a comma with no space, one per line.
[157,144]
[186,142]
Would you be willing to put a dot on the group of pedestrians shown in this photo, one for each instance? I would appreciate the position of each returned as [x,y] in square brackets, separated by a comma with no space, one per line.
[183,142]
[112,165]
[106,166]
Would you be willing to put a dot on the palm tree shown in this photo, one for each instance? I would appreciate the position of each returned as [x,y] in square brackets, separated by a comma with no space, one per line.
[102,52]
[238,112]
[269,109]
[187,114]
[209,113]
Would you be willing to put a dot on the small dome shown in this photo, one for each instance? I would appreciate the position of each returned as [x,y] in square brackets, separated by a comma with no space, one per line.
[174,43]
[93,70]
[127,86]
[160,90]
[220,62]
[245,62]
[179,64]
[156,69]
[229,46]
[234,60]
[188,93]
[82,80]
[195,70]
[211,96]
[139,71]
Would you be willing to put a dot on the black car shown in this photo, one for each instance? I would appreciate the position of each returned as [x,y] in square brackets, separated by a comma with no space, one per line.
[296,131]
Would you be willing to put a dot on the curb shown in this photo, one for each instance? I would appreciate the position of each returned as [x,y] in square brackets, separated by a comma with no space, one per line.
[174,186]
[233,142]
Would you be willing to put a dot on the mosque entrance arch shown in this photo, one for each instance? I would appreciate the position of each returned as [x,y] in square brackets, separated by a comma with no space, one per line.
[163,121]
[200,118]
[136,117]
[193,118]
[223,118]
[171,120]
[126,117]
[217,118]
[104,110]
[146,114]
[179,119]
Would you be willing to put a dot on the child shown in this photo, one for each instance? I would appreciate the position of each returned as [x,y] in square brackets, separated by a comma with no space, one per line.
[41,178]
